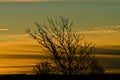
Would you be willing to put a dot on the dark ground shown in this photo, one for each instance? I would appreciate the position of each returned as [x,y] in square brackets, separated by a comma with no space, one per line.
[61,77]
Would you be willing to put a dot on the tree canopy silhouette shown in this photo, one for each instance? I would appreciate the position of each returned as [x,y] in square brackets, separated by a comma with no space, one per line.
[70,53]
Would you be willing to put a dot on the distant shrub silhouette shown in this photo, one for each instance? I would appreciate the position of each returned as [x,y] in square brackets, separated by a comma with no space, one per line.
[70,53]
[42,68]
[96,67]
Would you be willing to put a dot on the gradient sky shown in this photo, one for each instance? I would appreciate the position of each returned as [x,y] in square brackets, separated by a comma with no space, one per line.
[93,18]
[62,0]
[98,20]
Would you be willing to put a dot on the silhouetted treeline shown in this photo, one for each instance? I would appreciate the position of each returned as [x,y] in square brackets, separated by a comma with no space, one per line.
[62,77]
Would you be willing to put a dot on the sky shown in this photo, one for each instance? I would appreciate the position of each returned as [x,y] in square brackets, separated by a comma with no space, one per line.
[97,20]
[94,19]
[59,0]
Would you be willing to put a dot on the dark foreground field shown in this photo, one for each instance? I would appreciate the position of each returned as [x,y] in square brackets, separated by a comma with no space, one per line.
[61,77]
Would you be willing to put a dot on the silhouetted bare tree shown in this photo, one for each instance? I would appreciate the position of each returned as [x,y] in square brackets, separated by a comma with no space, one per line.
[70,53]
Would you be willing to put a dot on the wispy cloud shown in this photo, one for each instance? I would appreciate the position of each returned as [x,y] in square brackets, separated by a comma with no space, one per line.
[15,37]
[110,27]
[98,31]
[3,29]
[116,27]
[103,30]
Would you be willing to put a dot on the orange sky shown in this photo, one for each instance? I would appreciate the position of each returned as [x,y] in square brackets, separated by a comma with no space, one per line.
[98,21]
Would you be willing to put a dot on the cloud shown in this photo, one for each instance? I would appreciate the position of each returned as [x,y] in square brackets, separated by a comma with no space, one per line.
[16,35]
[24,56]
[110,27]
[3,29]
[99,31]
[108,50]
[102,30]
[117,27]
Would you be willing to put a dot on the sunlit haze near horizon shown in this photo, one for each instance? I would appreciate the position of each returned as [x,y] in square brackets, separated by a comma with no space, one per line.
[98,21]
